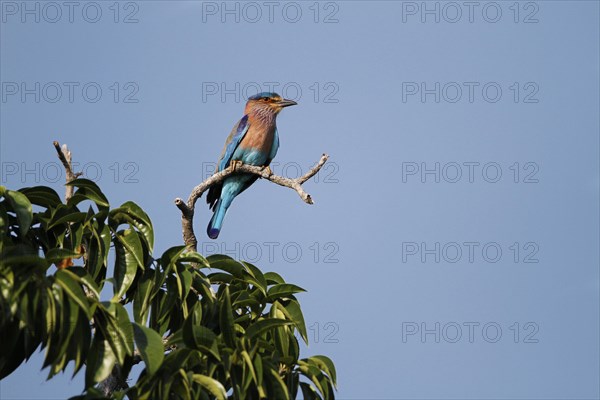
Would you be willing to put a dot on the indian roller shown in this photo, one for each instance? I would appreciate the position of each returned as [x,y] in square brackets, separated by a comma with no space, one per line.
[253,140]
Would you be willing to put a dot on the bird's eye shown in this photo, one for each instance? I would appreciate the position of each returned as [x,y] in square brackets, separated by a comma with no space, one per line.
[265,99]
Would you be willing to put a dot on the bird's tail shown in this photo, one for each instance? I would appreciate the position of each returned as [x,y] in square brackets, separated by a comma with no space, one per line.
[216,222]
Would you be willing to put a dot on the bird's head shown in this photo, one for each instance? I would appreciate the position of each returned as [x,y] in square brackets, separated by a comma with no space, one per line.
[267,102]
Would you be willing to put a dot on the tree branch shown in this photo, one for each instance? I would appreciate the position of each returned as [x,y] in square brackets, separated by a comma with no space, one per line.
[187,209]
[64,154]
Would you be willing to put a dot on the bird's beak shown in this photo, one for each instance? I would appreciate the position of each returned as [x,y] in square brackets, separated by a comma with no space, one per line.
[286,103]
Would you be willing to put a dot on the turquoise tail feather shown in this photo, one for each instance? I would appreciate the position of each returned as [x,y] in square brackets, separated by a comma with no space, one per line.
[216,222]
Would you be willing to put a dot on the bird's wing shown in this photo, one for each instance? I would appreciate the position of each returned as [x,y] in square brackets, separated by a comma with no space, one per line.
[274,148]
[270,158]
[233,141]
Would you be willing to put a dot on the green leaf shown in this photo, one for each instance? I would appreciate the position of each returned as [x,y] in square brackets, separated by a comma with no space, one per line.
[113,322]
[258,367]
[294,313]
[143,296]
[131,241]
[227,264]
[260,280]
[65,216]
[24,260]
[79,348]
[86,279]
[22,207]
[97,252]
[70,317]
[246,299]
[57,306]
[226,319]
[133,214]
[49,312]
[168,260]
[193,257]
[312,373]
[69,282]
[56,255]
[42,196]
[196,336]
[249,365]
[4,223]
[213,386]
[87,190]
[187,278]
[326,365]
[150,346]
[316,376]
[309,392]
[100,361]
[273,278]
[220,277]
[264,325]
[282,290]
[129,255]
[171,255]
[125,329]
[177,358]
[278,386]
[283,335]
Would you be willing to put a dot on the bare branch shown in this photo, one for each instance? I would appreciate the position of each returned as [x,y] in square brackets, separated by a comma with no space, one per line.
[187,209]
[64,154]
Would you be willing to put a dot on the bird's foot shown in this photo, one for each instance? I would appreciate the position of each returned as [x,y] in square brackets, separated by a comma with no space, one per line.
[235,164]
[267,169]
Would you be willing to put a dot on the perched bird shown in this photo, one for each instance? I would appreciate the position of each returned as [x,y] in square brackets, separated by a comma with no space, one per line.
[253,140]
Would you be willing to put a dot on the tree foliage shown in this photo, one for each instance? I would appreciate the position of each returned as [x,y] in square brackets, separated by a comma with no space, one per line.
[204,328]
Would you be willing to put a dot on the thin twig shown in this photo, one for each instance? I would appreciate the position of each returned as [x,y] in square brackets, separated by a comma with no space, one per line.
[187,209]
[64,154]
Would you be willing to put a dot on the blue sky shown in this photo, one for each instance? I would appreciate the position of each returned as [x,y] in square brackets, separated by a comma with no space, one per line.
[453,248]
